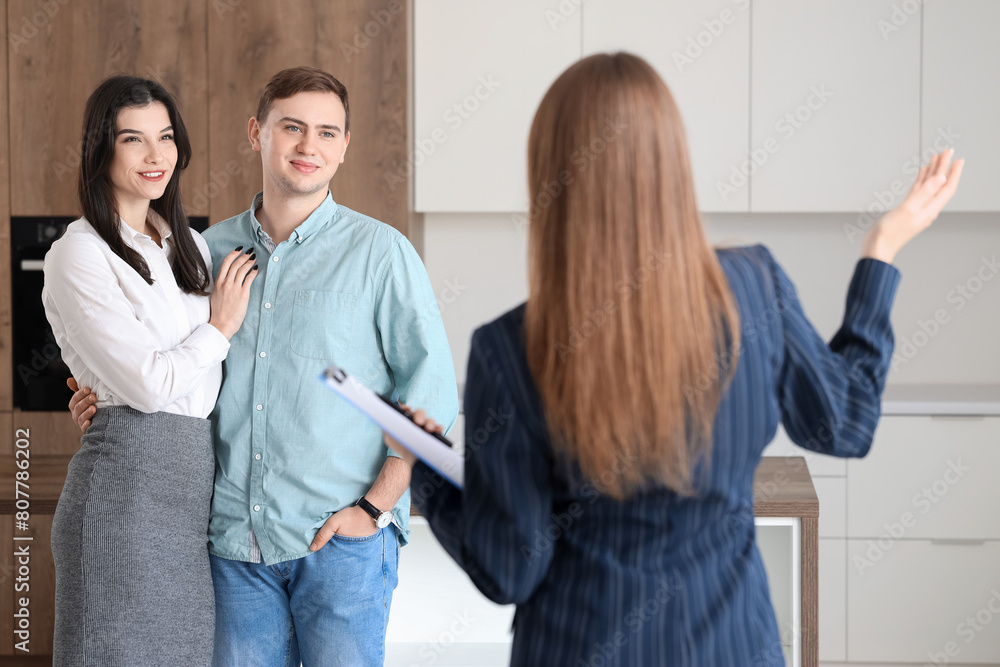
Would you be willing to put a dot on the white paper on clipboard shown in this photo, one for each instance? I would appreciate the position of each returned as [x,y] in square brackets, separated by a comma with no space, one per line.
[433,449]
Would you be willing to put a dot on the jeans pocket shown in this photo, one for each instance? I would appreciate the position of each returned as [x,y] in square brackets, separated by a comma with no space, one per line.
[349,539]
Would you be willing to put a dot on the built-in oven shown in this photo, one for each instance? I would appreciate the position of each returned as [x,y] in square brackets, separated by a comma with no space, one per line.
[39,372]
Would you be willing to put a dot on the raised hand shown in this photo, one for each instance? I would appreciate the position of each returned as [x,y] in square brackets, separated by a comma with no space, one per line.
[934,186]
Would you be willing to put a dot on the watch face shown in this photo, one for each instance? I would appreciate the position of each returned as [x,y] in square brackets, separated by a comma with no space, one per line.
[384,519]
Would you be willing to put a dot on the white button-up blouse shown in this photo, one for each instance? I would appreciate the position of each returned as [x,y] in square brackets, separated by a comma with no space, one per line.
[146,346]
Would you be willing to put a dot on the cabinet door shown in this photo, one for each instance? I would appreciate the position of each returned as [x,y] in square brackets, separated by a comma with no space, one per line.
[363,44]
[480,71]
[432,610]
[835,104]
[700,49]
[923,603]
[927,478]
[60,51]
[960,93]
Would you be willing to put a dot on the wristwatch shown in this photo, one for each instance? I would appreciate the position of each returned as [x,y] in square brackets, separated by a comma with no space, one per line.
[382,519]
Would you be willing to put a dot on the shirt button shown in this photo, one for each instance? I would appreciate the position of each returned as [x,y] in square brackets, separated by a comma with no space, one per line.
[257,456]
[256,508]
[267,305]
[275,258]
[263,354]
[260,407]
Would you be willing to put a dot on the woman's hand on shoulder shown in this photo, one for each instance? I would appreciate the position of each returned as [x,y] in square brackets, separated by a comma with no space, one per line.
[232,291]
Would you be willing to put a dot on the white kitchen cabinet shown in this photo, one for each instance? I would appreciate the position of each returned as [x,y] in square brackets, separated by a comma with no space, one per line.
[779,542]
[832,598]
[835,99]
[480,71]
[820,465]
[961,67]
[927,478]
[700,49]
[438,616]
[915,601]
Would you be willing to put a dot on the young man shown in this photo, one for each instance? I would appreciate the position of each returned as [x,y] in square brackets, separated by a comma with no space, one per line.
[303,568]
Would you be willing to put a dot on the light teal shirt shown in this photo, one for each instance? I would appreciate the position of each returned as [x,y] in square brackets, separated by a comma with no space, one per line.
[345,289]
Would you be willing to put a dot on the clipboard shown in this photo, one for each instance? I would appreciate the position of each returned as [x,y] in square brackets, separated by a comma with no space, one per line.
[432,448]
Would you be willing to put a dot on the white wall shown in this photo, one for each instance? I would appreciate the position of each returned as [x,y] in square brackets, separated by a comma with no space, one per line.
[477,265]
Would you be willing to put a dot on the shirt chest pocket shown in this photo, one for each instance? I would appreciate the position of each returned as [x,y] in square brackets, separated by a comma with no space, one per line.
[322,323]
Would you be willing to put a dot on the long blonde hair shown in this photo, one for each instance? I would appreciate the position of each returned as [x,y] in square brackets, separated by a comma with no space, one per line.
[629,311]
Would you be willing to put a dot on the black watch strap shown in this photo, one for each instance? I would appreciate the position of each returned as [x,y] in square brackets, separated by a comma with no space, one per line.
[372,511]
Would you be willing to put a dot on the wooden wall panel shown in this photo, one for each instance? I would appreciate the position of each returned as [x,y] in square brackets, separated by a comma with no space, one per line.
[7,570]
[41,582]
[44,483]
[58,58]
[52,433]
[362,43]
[6,335]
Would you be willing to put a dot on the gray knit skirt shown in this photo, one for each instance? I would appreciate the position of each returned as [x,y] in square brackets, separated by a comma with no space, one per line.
[130,544]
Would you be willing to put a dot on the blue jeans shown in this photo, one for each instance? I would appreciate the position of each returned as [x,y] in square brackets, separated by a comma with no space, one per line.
[327,609]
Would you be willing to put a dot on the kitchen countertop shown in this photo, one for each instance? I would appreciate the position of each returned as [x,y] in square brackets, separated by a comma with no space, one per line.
[942,399]
[782,488]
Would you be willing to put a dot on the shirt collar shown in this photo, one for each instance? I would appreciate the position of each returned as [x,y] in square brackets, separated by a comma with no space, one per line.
[153,218]
[319,217]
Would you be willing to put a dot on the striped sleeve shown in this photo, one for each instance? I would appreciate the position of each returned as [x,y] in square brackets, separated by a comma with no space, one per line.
[490,527]
[830,394]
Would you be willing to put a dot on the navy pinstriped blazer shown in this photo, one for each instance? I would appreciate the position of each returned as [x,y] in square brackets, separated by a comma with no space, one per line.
[658,579]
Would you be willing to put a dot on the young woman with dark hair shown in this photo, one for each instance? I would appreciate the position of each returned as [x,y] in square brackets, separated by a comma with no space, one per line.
[613,503]
[129,294]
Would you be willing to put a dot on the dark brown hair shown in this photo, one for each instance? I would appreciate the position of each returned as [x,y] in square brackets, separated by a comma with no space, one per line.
[289,82]
[97,196]
[628,305]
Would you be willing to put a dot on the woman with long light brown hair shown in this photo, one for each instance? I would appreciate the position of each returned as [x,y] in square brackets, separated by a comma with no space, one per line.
[614,422]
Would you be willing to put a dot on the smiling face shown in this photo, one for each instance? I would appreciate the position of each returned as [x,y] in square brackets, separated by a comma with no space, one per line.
[145,154]
[302,142]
